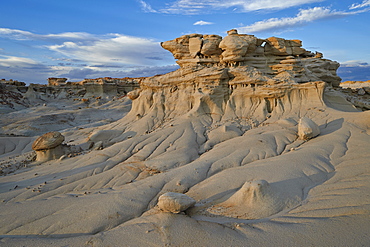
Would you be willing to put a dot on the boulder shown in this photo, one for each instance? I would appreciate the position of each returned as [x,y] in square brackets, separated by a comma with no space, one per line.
[210,46]
[282,47]
[175,202]
[195,45]
[307,129]
[236,46]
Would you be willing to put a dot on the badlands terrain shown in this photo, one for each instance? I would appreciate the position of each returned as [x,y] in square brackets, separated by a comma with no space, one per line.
[251,142]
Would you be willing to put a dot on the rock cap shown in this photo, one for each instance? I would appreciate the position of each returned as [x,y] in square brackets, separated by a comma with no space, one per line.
[48,141]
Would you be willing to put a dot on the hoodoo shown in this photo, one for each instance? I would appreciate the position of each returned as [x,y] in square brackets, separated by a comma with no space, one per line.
[236,77]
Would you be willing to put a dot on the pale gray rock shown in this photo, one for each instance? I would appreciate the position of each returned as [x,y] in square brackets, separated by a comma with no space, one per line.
[175,202]
[307,129]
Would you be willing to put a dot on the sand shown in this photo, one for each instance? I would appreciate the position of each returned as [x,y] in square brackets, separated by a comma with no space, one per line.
[254,184]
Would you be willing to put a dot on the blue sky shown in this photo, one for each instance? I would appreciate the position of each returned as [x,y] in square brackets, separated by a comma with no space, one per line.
[81,39]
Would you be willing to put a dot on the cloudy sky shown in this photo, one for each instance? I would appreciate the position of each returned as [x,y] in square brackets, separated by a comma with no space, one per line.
[81,39]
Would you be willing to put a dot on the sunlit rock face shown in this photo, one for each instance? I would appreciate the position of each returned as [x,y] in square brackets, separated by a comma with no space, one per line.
[49,146]
[277,58]
[236,77]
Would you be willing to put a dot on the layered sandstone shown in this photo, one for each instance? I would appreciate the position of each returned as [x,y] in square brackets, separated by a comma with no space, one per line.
[275,58]
[236,77]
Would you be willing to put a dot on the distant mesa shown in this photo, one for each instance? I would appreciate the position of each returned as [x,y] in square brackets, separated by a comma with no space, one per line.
[355,84]
[357,92]
[55,81]
[13,82]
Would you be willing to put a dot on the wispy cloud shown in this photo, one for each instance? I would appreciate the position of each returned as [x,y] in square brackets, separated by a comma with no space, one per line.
[354,70]
[365,3]
[253,5]
[79,53]
[303,17]
[12,61]
[90,48]
[194,7]
[24,69]
[25,35]
[114,48]
[201,23]
[146,7]
[353,63]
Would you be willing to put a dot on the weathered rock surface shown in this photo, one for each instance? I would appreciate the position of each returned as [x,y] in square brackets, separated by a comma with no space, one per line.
[356,92]
[175,202]
[48,141]
[133,94]
[275,58]
[49,146]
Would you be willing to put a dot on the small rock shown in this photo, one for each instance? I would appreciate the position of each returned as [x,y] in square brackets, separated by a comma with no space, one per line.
[63,157]
[361,91]
[98,145]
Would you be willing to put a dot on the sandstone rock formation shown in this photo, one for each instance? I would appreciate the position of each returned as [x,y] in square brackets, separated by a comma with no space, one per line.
[237,77]
[12,82]
[355,84]
[356,92]
[49,146]
[10,98]
[175,202]
[53,81]
[275,58]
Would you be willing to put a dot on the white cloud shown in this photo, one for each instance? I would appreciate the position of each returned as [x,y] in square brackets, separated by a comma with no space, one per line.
[90,48]
[193,7]
[79,53]
[201,23]
[112,49]
[354,70]
[25,35]
[24,69]
[146,7]
[303,17]
[12,61]
[264,4]
[355,63]
[365,3]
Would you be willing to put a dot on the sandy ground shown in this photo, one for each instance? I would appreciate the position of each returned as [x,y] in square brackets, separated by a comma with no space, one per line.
[255,185]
